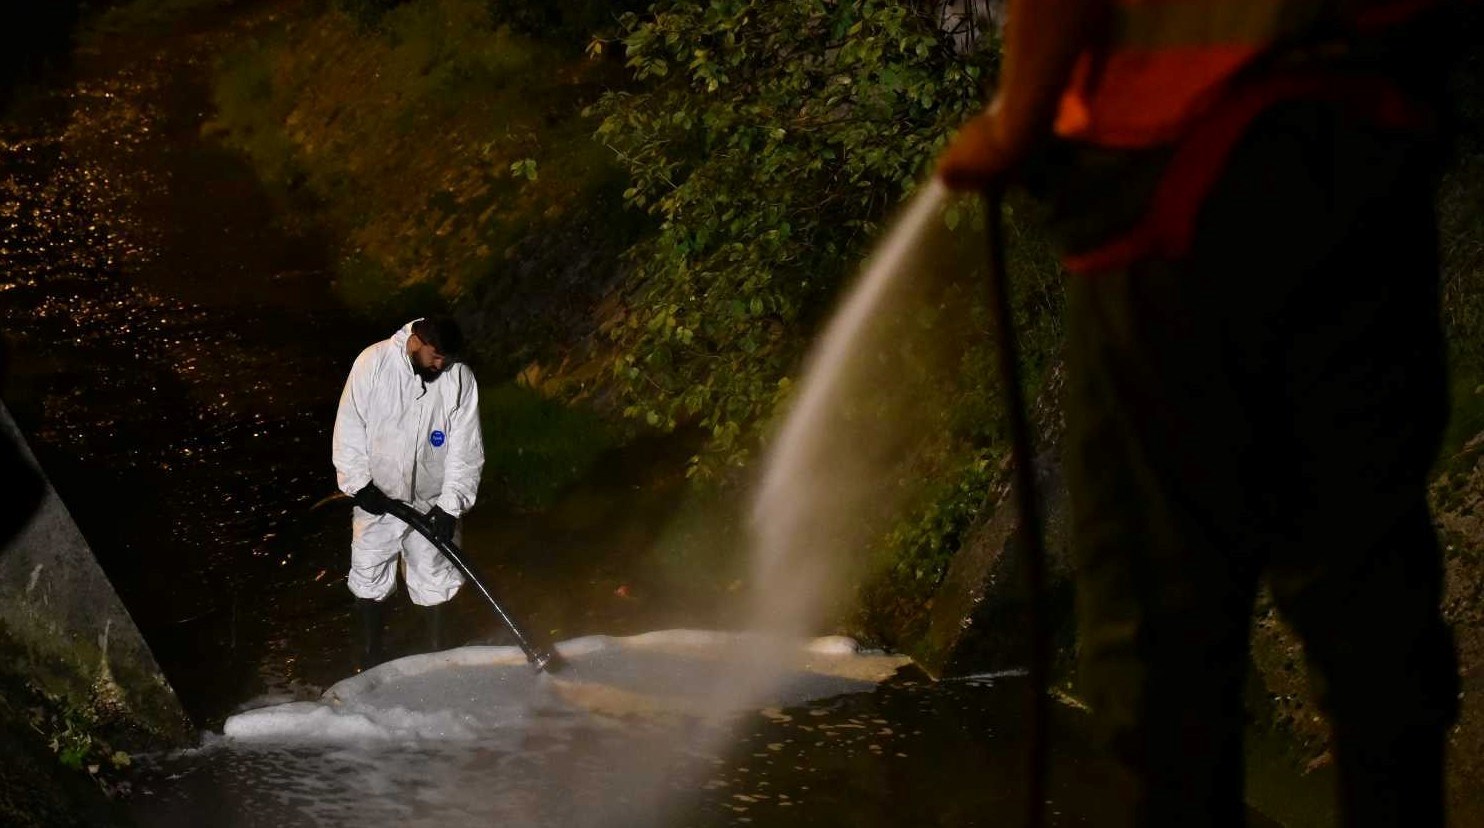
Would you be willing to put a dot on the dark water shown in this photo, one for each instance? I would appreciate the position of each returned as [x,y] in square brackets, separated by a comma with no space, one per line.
[909,753]
[176,355]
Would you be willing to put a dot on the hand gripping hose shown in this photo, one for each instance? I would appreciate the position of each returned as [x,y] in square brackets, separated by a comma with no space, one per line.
[1031,540]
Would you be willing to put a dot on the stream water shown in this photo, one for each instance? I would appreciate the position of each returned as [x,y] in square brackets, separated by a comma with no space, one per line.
[176,356]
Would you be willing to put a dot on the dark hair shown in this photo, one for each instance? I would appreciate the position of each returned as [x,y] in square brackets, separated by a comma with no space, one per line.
[442,333]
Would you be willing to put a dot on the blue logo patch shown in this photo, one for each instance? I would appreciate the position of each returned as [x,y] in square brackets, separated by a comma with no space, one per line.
[436,438]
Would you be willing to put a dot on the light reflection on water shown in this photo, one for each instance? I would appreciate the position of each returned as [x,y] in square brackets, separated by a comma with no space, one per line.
[173,382]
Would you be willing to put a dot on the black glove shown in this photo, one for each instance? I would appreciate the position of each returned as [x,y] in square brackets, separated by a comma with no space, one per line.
[372,499]
[441,523]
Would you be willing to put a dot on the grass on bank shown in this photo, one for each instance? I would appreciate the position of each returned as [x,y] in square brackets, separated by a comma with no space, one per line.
[537,448]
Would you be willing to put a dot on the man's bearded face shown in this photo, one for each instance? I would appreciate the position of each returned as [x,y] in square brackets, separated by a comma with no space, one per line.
[428,363]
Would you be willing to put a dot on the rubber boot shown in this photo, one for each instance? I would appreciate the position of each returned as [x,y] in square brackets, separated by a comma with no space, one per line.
[369,615]
[435,616]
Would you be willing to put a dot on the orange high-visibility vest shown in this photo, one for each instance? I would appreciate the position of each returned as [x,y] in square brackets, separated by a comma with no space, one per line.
[1166,62]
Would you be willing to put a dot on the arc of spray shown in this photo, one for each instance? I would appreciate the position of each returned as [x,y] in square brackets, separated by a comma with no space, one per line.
[1032,541]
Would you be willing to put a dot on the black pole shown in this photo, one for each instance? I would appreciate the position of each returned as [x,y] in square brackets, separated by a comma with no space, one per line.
[543,657]
[1031,540]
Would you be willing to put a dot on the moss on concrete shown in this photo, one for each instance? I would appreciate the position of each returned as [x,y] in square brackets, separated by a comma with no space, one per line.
[37,788]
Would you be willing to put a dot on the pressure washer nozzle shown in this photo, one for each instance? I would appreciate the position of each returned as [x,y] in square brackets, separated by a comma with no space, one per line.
[549,661]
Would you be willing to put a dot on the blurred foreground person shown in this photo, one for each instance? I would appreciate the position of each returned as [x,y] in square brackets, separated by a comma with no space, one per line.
[407,429]
[1244,195]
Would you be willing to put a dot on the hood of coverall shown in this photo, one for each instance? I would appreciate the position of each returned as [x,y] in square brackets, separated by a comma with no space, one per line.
[417,441]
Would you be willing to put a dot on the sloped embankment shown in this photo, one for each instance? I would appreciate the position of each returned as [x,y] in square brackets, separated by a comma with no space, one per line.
[451,159]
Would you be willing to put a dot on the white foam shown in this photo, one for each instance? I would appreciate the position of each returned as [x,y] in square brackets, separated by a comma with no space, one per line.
[315,721]
[476,693]
[834,645]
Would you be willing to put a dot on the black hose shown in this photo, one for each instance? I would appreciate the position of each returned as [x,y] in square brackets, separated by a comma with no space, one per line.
[1031,539]
[543,656]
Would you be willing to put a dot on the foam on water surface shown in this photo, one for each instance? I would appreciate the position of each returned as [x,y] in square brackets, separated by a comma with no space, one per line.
[475,693]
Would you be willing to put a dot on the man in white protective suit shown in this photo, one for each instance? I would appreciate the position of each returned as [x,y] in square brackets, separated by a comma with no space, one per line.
[407,429]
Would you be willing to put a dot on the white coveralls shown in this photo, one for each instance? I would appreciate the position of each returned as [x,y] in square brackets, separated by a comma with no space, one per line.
[418,442]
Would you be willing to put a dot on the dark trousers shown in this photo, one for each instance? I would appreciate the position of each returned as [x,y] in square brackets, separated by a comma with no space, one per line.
[1269,407]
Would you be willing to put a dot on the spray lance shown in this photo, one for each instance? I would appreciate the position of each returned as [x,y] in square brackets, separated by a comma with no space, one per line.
[1031,539]
[542,656]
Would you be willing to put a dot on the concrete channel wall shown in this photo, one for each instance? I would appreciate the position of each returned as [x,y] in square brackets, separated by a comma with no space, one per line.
[69,633]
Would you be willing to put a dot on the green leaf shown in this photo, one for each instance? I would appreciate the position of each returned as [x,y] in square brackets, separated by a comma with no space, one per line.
[524,168]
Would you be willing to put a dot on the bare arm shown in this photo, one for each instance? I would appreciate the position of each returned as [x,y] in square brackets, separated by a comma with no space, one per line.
[1043,39]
